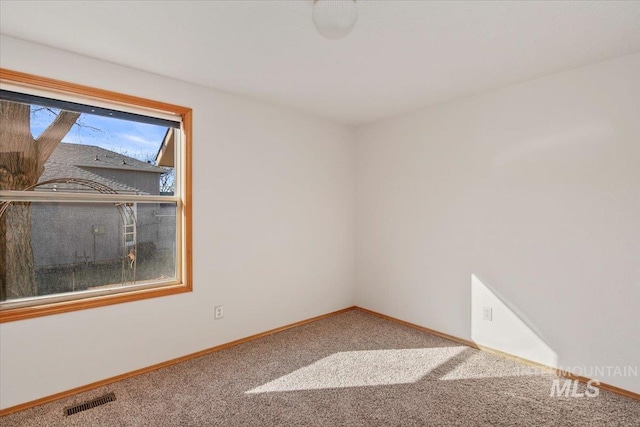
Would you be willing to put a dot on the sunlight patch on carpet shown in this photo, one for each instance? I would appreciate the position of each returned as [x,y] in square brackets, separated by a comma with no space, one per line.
[478,366]
[363,368]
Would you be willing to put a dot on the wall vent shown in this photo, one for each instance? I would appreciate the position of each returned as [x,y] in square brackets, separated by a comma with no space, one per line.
[90,404]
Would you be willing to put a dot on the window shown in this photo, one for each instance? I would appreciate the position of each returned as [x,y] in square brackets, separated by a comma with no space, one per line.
[95,202]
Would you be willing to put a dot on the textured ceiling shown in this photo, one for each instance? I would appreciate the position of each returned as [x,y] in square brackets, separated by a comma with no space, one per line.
[402,55]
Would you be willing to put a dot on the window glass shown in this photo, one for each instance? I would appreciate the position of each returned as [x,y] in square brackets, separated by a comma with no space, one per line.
[90,200]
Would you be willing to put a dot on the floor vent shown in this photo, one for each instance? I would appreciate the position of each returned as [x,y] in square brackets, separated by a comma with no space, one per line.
[90,404]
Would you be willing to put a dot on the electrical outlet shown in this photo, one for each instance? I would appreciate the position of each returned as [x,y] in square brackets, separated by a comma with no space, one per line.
[218,312]
[487,313]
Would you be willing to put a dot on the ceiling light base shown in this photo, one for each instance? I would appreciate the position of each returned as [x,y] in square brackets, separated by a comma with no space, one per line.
[335,19]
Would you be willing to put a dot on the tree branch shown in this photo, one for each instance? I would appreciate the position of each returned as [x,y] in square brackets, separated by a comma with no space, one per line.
[53,134]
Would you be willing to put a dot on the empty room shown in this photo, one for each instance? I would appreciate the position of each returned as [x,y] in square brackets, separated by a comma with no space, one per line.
[319,213]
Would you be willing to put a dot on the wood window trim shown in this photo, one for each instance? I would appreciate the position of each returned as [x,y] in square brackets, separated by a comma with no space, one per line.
[185,285]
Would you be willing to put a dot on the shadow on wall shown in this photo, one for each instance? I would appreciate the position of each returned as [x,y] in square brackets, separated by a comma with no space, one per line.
[507,330]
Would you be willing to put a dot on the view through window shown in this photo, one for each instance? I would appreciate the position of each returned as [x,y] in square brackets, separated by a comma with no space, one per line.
[91,200]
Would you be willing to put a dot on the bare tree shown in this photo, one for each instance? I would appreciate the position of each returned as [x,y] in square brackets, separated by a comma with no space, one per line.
[22,159]
[168,181]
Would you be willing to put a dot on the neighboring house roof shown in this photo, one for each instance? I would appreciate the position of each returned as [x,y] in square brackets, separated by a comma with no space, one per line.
[165,154]
[95,157]
[53,170]
[73,160]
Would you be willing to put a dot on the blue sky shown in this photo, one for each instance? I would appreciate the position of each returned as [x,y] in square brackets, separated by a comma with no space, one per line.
[134,139]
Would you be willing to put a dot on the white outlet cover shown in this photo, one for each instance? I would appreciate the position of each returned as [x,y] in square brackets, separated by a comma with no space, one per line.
[218,312]
[487,313]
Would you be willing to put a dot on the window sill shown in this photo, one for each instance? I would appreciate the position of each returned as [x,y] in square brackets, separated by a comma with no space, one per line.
[21,313]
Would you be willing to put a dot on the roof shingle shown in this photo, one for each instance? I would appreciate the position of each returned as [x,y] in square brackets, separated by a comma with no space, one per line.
[97,157]
[71,161]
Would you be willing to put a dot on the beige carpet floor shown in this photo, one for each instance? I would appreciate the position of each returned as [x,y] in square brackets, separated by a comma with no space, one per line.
[352,369]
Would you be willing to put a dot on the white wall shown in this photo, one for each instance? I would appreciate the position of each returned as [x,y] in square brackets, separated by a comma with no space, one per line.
[533,189]
[273,228]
